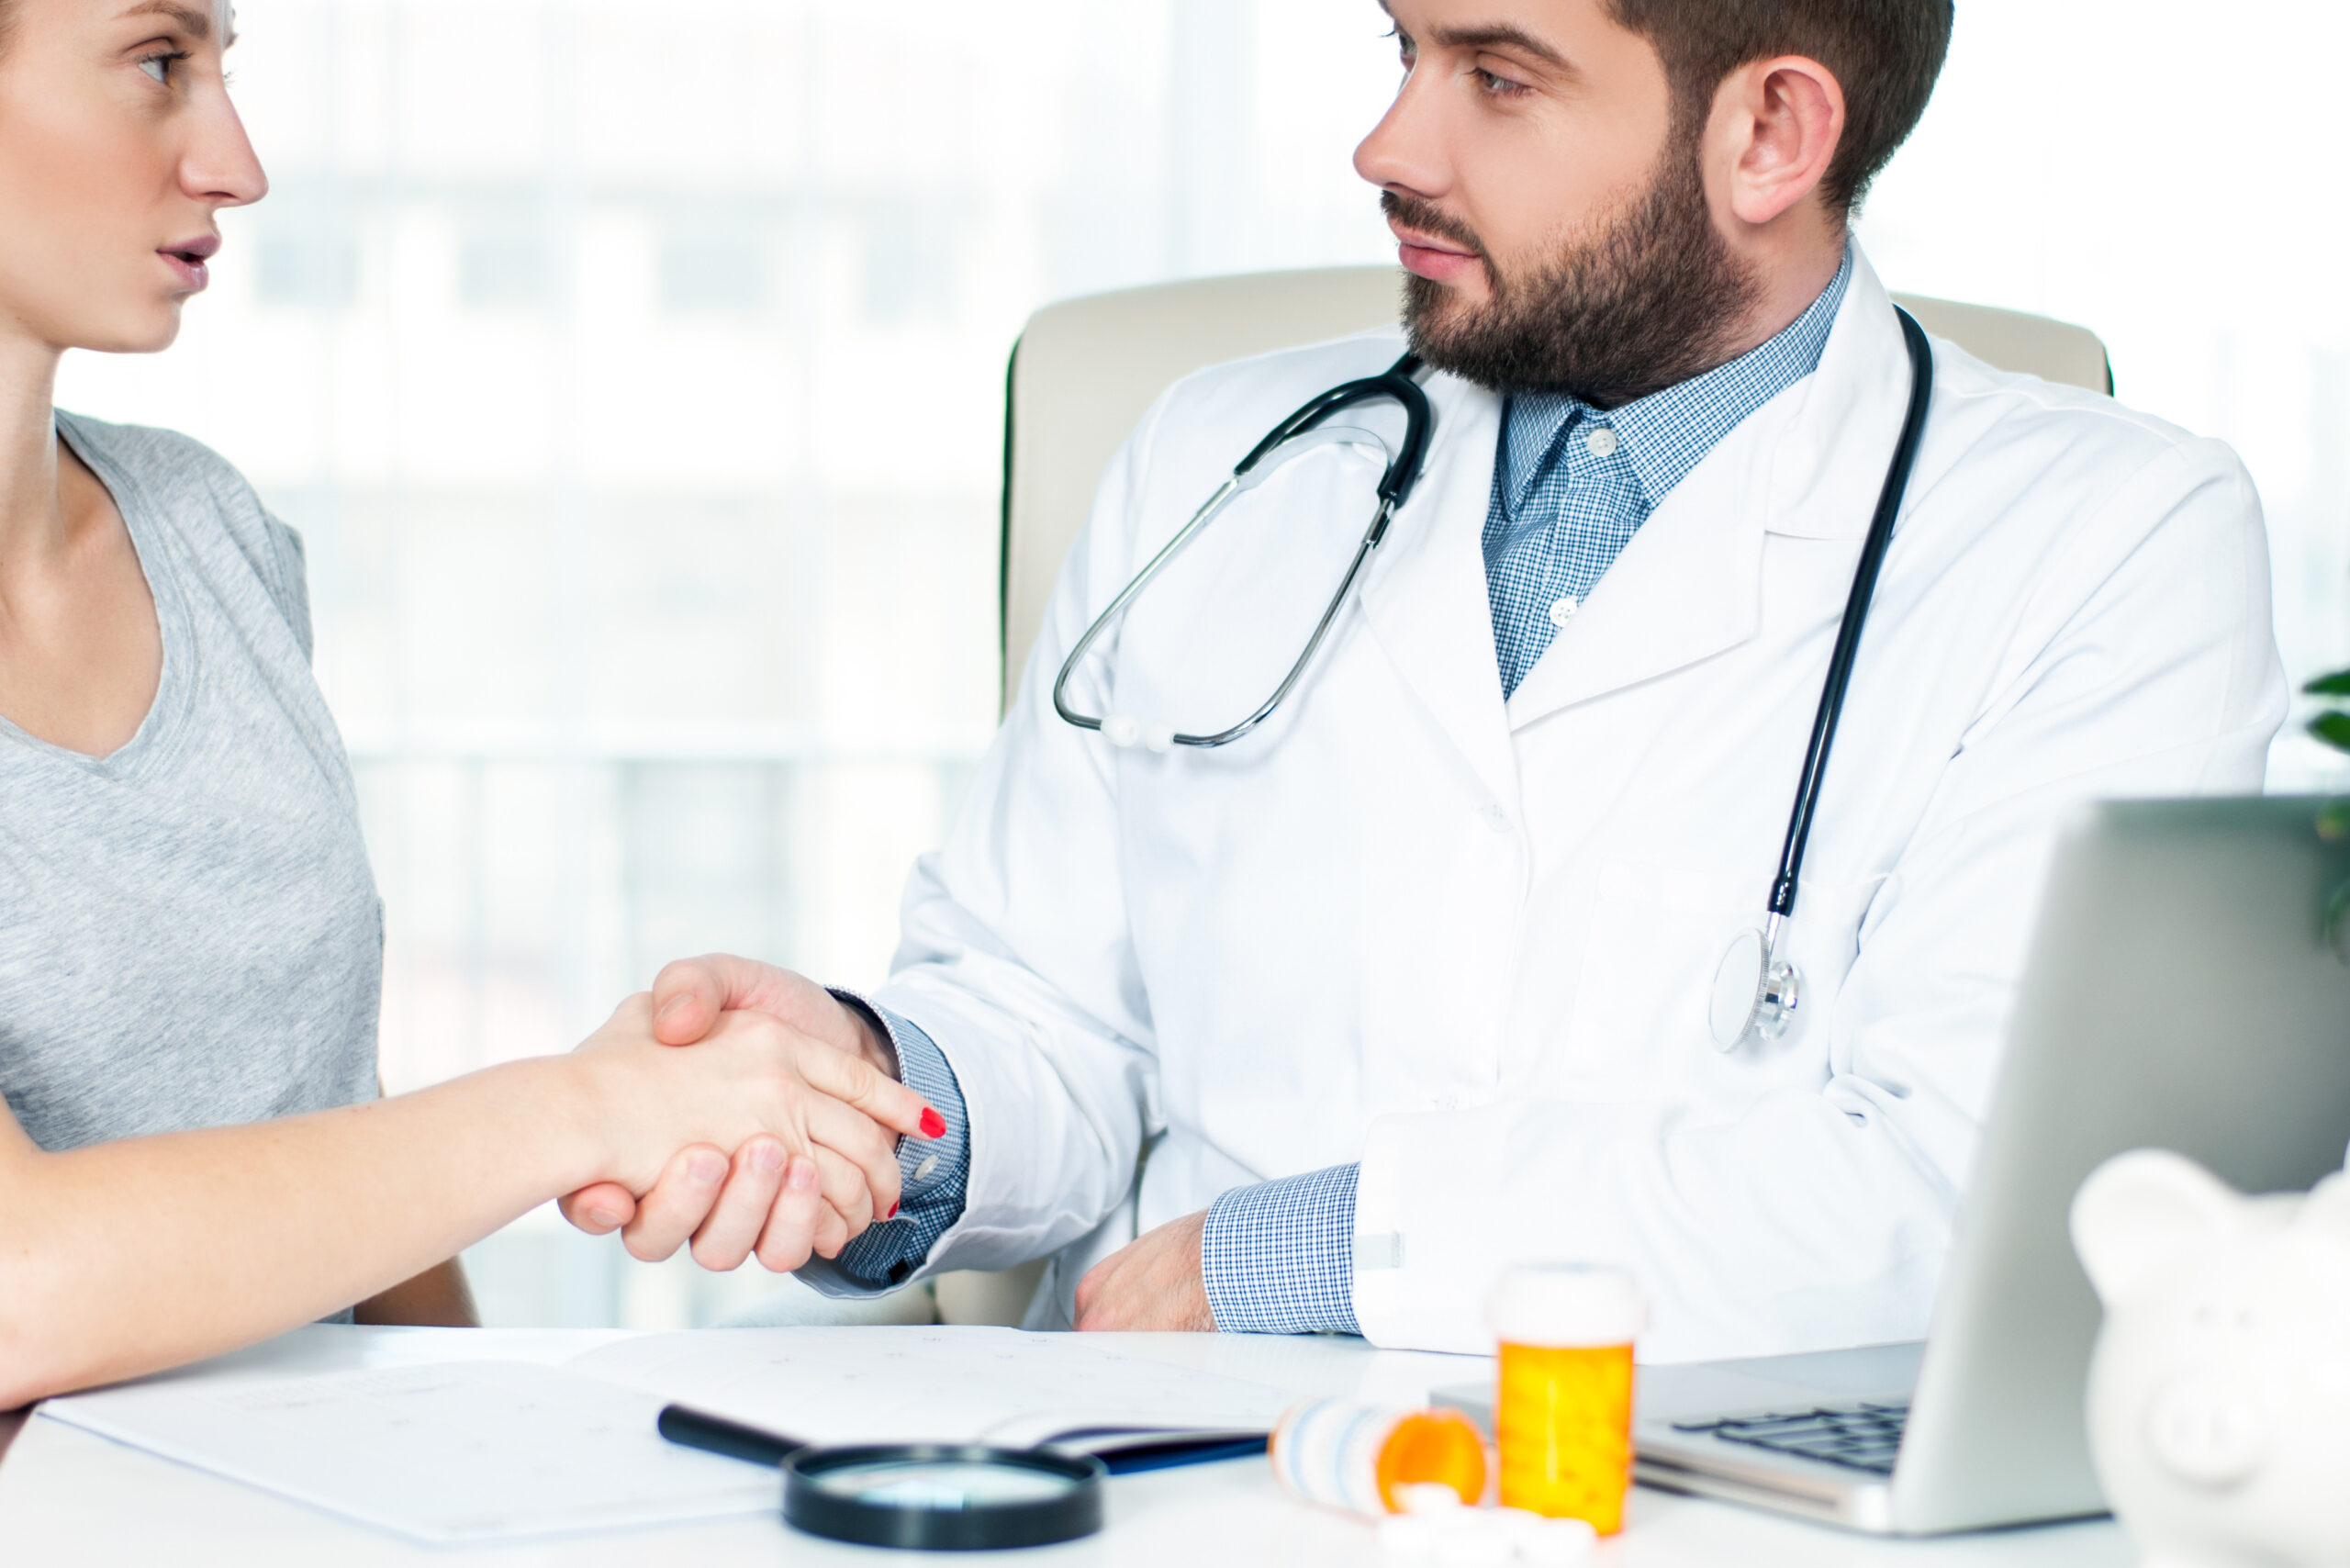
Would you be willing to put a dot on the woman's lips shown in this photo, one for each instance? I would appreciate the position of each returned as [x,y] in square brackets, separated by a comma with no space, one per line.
[193,275]
[188,260]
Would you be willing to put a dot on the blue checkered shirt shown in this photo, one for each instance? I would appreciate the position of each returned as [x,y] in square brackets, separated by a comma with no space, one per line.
[1278,1256]
[1572,484]
[932,1173]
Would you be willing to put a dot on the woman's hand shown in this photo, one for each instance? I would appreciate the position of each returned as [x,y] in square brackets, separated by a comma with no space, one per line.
[813,1128]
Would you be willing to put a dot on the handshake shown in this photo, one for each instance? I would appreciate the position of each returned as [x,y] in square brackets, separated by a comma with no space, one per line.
[775,1135]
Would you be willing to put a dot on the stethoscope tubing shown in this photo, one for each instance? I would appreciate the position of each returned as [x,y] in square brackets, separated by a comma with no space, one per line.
[1395,486]
[1855,621]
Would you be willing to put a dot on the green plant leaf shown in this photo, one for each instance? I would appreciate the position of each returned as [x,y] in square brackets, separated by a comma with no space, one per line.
[2334,684]
[2333,729]
[2337,921]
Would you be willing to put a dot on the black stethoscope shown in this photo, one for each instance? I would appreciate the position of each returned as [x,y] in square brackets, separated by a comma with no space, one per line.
[1755,991]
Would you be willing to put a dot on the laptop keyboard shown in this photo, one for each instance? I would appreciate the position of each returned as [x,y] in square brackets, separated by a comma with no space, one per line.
[1858,1437]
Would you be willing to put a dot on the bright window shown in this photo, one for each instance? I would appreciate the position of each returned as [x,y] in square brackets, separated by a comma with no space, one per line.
[633,372]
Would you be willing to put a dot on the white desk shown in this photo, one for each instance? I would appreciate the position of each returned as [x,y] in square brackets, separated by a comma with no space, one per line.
[66,1495]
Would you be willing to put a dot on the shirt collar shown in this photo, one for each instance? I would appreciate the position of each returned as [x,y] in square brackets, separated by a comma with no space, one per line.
[1667,434]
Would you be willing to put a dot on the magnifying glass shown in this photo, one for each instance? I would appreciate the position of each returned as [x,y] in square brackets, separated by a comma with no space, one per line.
[923,1496]
[943,1498]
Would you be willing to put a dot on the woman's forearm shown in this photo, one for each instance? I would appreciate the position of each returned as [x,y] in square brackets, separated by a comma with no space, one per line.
[128,1256]
[125,1257]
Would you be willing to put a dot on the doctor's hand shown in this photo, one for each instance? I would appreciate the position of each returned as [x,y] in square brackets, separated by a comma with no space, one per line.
[700,1195]
[1156,1282]
[813,1131]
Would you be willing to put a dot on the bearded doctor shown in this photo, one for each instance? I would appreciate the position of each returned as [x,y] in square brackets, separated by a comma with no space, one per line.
[1413,981]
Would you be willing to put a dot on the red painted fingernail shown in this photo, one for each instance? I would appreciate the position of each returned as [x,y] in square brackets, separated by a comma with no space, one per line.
[932,1123]
[892,1213]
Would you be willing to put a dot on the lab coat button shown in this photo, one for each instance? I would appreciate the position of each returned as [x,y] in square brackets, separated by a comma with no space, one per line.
[927,1169]
[1563,611]
[1601,442]
[1498,820]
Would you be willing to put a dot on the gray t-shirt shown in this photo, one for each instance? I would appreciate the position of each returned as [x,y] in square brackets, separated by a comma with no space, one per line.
[189,932]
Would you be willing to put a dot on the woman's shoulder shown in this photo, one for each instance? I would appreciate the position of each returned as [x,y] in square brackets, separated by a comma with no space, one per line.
[204,497]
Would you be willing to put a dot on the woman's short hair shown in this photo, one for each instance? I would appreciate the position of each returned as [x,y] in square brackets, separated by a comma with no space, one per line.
[1884,54]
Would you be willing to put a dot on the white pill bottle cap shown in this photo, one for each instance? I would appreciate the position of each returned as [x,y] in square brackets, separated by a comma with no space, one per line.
[1563,1306]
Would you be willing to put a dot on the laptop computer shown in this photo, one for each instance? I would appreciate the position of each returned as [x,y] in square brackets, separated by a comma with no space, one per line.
[2182,992]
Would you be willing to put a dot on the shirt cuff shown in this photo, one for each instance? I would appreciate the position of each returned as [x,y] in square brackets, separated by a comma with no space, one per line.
[933,1173]
[1278,1258]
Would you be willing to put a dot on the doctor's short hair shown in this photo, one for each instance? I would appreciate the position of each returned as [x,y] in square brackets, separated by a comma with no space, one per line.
[1884,54]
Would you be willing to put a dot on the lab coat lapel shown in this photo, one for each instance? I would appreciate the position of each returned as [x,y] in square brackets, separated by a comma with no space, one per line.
[1848,422]
[1689,585]
[1424,595]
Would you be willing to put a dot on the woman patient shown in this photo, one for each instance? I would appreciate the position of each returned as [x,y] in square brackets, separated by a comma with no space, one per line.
[189,934]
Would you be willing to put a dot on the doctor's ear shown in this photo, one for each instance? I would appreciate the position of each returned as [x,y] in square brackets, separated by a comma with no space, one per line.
[1774,129]
[2140,1210]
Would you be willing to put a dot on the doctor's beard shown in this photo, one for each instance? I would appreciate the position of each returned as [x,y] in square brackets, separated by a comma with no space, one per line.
[1652,299]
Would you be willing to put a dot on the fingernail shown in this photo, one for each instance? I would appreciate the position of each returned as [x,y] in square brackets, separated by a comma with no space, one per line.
[803,1174]
[767,1158]
[604,1217]
[892,1213]
[706,1168]
[932,1123]
[670,1008]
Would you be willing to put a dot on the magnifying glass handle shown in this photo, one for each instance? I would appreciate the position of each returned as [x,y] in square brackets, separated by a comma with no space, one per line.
[714,1434]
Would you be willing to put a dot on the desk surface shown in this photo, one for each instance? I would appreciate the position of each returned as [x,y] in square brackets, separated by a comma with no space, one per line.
[67,1495]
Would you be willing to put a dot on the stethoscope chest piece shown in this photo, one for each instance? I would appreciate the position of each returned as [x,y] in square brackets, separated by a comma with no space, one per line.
[1754,996]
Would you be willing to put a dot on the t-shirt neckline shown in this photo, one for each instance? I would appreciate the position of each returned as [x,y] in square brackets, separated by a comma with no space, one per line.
[151,741]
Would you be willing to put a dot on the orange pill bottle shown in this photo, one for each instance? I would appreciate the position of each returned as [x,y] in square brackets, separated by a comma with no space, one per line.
[1363,1458]
[1563,1414]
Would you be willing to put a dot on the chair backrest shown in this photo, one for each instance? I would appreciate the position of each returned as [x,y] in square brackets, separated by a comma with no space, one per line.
[1086,369]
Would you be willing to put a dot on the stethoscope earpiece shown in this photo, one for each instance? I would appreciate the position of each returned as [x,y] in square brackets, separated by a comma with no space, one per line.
[1124,730]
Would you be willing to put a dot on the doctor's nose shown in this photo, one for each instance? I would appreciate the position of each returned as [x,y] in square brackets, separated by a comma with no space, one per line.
[1401,154]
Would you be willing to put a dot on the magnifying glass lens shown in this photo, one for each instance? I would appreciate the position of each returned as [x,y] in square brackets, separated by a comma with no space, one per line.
[942,1485]
[943,1497]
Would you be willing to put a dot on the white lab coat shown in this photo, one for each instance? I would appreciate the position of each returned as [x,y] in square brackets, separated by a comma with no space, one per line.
[1469,941]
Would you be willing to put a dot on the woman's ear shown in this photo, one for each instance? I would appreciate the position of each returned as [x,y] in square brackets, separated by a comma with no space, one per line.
[1775,128]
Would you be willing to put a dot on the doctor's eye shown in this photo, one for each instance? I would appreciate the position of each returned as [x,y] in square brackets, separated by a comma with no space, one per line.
[1499,87]
[159,66]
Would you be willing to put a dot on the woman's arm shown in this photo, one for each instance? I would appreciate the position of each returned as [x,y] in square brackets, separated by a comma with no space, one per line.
[437,1298]
[126,1258]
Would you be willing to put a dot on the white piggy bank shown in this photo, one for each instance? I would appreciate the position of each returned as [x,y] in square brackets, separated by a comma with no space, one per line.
[2219,1403]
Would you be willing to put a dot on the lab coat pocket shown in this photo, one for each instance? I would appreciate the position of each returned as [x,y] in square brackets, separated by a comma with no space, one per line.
[1657,935]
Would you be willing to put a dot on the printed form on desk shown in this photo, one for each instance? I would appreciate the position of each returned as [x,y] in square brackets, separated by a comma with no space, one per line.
[477,1451]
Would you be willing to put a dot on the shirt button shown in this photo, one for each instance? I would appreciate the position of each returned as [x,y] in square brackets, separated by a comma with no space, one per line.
[1600,441]
[1498,820]
[927,1169]
[1564,610]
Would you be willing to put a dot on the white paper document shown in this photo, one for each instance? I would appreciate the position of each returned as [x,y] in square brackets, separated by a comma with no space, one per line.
[475,1451]
[911,1384]
[467,1451]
